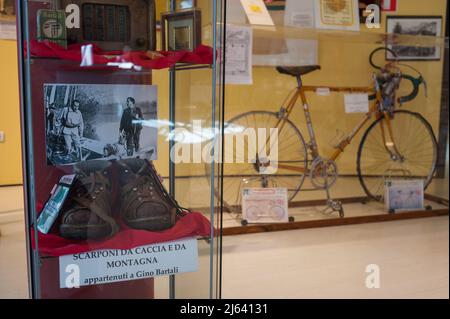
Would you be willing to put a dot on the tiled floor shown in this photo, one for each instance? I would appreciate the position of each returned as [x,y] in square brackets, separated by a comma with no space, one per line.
[13,261]
[331,262]
[314,263]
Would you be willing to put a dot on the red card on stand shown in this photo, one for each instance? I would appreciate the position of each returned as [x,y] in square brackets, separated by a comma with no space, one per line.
[389,5]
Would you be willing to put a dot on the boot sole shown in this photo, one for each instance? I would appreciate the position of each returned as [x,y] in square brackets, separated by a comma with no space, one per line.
[84,232]
[153,224]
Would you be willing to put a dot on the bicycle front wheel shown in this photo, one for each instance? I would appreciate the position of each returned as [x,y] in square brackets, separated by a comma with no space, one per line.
[410,153]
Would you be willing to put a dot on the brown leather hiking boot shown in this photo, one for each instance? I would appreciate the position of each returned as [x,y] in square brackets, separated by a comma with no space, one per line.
[145,204]
[88,215]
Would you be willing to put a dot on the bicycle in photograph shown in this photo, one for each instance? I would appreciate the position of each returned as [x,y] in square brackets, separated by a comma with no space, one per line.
[397,144]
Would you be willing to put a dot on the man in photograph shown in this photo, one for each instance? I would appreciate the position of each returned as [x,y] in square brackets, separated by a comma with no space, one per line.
[131,126]
[51,118]
[72,128]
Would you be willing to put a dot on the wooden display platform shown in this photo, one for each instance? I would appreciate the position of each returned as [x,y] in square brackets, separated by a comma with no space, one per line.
[308,214]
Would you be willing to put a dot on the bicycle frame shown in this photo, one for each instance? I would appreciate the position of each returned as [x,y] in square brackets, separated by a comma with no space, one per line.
[340,148]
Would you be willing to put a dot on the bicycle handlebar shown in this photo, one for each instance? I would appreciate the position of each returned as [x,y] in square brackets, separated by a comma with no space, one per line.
[381,49]
[416,84]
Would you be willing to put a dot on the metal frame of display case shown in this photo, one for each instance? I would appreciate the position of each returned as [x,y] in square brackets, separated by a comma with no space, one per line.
[33,258]
[217,10]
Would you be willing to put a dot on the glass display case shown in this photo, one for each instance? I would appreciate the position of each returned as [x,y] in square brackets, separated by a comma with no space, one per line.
[357,100]
[111,211]
[151,128]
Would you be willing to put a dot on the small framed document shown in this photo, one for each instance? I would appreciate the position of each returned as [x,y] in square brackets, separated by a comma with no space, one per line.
[265,205]
[337,14]
[181,30]
[404,195]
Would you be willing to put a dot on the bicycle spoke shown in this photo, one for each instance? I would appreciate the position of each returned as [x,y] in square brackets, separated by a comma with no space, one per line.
[291,148]
[415,144]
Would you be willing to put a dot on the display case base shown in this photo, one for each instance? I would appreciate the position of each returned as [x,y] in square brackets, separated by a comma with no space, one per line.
[358,211]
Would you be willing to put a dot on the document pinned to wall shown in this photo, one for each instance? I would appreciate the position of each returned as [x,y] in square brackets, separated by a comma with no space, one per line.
[356,103]
[299,14]
[239,43]
[257,12]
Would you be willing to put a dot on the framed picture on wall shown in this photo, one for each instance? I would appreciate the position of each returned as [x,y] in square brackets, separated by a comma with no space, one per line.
[181,30]
[418,26]
[113,25]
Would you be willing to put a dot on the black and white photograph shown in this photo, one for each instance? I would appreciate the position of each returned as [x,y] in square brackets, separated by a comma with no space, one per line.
[7,20]
[415,26]
[100,122]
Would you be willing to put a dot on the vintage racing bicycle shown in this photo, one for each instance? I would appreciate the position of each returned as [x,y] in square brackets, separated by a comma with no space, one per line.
[397,144]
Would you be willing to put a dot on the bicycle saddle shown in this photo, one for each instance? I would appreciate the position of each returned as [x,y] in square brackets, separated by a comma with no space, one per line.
[297,70]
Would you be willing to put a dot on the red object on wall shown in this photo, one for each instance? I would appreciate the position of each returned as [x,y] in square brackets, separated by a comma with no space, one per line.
[389,5]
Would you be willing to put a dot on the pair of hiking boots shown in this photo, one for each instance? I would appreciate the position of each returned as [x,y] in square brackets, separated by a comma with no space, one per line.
[144,202]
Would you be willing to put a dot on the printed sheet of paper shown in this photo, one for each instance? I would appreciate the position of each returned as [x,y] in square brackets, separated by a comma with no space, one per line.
[238,55]
[257,12]
[404,194]
[299,14]
[356,103]
[337,14]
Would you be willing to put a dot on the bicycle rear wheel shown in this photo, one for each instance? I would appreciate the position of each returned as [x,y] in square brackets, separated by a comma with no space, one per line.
[240,170]
[417,153]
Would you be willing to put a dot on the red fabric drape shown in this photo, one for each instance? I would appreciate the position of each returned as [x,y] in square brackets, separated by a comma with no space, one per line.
[46,49]
[192,225]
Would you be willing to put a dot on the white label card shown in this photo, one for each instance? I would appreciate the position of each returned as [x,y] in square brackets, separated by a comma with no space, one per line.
[257,12]
[404,195]
[323,91]
[356,103]
[113,265]
[265,205]
[299,14]
[337,14]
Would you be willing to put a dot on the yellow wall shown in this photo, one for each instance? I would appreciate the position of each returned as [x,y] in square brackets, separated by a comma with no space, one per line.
[10,150]
[344,61]
[193,99]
